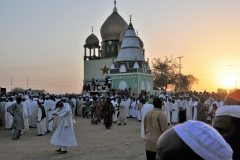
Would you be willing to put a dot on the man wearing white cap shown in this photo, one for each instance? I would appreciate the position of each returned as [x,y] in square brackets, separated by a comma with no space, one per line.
[227,121]
[41,118]
[192,140]
[49,106]
[189,105]
[165,108]
[175,110]
[146,108]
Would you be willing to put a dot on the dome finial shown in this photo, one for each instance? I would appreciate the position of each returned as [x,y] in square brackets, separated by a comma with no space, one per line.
[130,18]
[137,32]
[115,6]
[92,29]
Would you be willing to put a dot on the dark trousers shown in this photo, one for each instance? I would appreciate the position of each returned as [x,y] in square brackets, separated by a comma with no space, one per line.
[151,155]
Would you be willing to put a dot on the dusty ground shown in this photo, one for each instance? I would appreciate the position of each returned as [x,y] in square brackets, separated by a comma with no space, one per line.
[94,143]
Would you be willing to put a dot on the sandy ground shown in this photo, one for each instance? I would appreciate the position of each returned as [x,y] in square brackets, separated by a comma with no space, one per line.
[94,143]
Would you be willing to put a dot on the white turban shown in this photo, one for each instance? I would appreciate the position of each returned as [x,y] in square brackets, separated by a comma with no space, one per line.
[204,140]
[233,111]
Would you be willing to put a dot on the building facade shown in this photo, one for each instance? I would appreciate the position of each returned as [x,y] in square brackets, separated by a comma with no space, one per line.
[121,56]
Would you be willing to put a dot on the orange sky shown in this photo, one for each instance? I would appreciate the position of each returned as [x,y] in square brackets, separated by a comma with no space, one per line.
[43,40]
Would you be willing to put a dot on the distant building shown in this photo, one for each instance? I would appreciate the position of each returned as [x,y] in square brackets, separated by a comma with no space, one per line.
[222,91]
[121,56]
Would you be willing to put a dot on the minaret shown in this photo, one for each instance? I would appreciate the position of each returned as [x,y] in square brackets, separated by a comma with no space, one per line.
[130,49]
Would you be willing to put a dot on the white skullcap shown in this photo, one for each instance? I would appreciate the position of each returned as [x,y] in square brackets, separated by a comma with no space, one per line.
[40,100]
[204,140]
[233,111]
[162,96]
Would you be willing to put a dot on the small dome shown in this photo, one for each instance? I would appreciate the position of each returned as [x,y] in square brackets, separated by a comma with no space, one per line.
[92,39]
[140,42]
[113,27]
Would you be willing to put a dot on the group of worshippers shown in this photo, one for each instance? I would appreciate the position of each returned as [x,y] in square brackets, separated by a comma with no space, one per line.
[18,113]
[193,139]
[109,109]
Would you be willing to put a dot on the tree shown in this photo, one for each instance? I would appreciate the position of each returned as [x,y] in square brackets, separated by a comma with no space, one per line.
[17,90]
[166,75]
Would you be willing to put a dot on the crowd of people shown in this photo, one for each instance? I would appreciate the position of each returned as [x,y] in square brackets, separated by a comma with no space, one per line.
[187,118]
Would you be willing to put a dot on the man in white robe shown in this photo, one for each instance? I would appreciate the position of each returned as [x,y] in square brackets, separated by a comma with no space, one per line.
[115,105]
[195,103]
[132,110]
[165,108]
[189,106]
[127,105]
[41,118]
[8,116]
[25,118]
[64,135]
[34,107]
[29,109]
[79,106]
[73,99]
[122,117]
[175,110]
[49,106]
[146,108]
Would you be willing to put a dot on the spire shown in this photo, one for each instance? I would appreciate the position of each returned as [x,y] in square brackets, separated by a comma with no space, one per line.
[130,26]
[115,7]
[137,32]
[92,29]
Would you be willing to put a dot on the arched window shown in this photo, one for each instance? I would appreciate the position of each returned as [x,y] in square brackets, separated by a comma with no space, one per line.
[122,68]
[107,49]
[112,49]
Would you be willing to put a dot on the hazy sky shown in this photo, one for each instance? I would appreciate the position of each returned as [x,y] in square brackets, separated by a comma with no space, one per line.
[43,40]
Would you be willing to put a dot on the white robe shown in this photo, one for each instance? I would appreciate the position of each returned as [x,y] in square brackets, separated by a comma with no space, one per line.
[75,105]
[34,107]
[165,110]
[127,104]
[114,116]
[195,103]
[8,116]
[41,125]
[49,106]
[64,134]
[189,106]
[132,110]
[29,112]
[175,116]
[146,108]
[25,117]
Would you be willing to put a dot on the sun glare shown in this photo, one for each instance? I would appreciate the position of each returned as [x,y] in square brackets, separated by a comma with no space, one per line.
[229,82]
